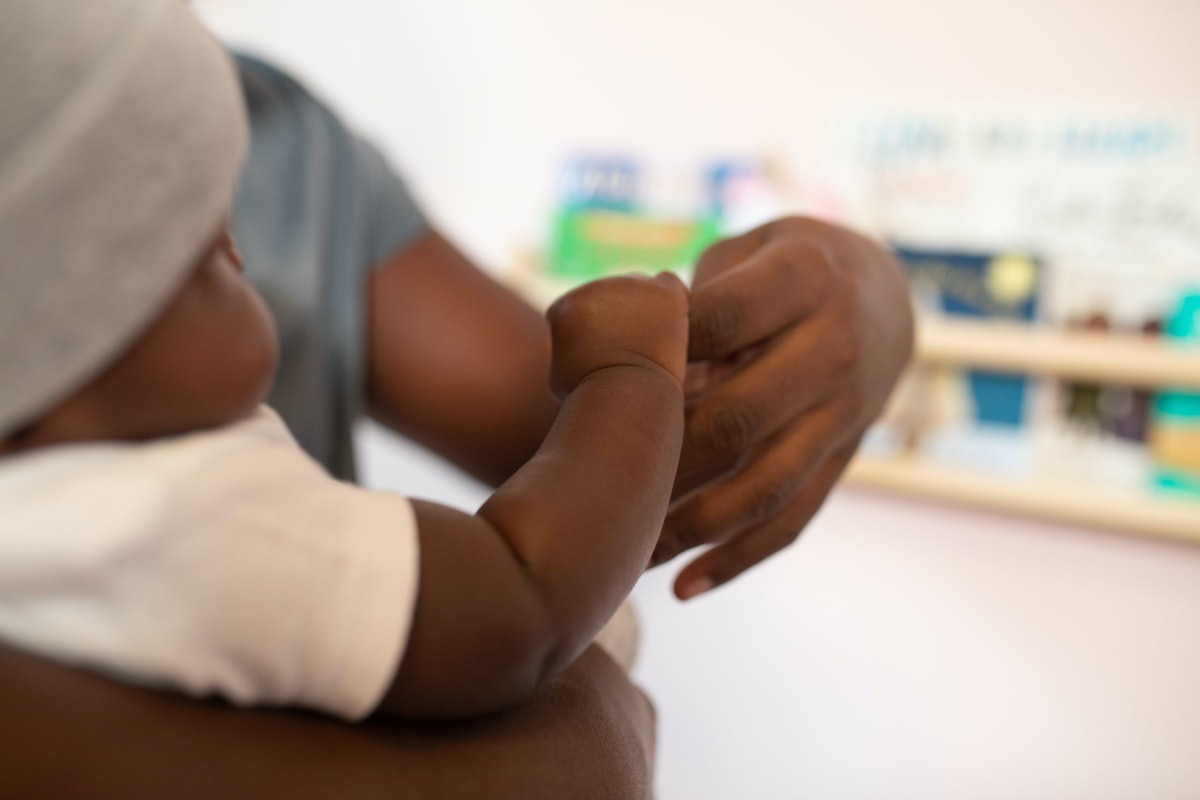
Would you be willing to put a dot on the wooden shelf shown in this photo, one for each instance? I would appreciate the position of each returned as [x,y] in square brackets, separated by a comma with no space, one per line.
[1104,358]
[1164,517]
[1120,359]
[1114,358]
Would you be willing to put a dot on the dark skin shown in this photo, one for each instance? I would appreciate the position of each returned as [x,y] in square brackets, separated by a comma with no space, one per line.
[582,729]
[797,333]
[208,358]
[799,330]
[67,734]
[867,316]
[511,595]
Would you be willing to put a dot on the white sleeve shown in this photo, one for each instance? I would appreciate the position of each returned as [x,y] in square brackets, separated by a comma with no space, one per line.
[239,568]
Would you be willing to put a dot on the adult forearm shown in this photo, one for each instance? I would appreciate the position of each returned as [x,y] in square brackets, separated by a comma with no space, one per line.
[457,362]
[66,733]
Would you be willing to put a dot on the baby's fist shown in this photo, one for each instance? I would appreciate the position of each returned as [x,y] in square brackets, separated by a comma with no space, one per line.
[630,319]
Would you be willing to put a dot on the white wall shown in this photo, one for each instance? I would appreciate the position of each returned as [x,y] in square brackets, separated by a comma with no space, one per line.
[909,652]
[479,100]
[898,651]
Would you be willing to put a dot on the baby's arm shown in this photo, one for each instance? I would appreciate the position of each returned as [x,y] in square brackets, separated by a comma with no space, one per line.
[510,596]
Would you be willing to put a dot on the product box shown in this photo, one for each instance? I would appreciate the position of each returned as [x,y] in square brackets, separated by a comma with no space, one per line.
[615,215]
[1175,426]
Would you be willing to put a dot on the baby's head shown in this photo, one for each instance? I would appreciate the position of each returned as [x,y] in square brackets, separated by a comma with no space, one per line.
[123,312]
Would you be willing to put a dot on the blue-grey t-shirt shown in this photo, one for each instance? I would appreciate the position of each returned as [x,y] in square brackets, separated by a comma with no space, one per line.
[316,209]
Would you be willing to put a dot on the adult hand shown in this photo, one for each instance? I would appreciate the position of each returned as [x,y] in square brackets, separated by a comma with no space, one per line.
[798,331]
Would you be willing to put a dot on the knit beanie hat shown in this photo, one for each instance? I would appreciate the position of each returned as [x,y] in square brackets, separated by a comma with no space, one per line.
[122,134]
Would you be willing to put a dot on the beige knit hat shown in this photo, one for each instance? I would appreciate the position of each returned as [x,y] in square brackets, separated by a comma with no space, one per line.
[122,133]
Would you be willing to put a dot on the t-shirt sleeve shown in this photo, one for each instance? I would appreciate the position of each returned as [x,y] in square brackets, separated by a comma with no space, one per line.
[306,167]
[318,207]
[395,220]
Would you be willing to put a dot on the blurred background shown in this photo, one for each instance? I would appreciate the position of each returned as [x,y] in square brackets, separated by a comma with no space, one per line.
[1003,600]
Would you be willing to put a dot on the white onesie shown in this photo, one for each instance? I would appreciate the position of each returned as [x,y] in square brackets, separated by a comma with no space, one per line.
[223,561]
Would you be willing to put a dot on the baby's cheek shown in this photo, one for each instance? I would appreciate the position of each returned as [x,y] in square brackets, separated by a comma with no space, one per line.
[262,349]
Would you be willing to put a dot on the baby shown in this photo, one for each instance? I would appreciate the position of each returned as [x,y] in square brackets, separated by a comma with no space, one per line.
[158,523]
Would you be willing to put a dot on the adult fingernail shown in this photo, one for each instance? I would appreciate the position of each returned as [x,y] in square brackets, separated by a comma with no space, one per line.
[694,587]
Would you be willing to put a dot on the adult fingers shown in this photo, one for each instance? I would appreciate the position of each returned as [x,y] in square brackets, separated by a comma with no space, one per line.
[728,560]
[792,374]
[765,489]
[726,253]
[774,287]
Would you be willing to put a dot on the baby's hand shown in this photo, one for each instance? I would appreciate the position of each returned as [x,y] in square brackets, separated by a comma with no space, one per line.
[631,319]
